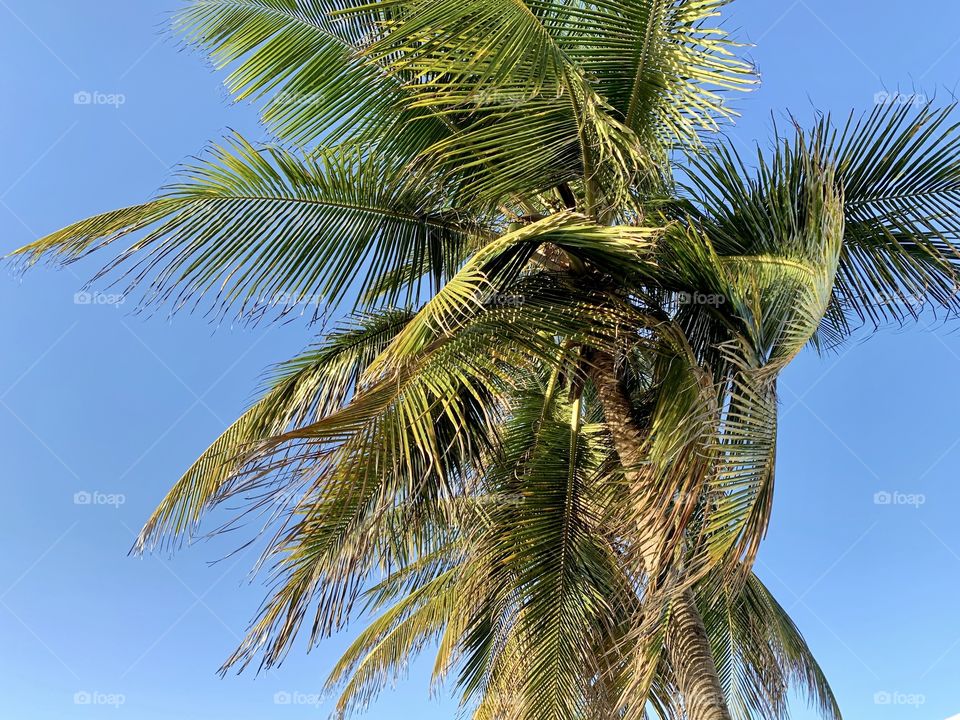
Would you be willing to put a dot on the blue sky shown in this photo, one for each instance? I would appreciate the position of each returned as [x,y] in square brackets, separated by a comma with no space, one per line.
[864,549]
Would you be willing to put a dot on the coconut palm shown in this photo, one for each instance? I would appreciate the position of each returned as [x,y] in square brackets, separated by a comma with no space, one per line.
[542,437]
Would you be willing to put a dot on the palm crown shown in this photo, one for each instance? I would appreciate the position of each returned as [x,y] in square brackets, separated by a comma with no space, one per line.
[542,440]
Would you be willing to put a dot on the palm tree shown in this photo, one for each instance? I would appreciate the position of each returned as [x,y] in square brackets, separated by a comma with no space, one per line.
[543,434]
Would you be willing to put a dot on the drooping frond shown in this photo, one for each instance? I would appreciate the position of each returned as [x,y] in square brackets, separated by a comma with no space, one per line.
[414,438]
[760,654]
[301,390]
[897,176]
[762,258]
[403,445]
[386,646]
[551,572]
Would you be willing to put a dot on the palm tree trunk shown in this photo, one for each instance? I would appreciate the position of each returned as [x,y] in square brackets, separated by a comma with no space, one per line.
[687,645]
[688,650]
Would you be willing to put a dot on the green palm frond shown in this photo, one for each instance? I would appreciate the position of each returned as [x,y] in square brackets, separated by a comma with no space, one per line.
[310,70]
[545,560]
[385,647]
[663,65]
[899,168]
[392,445]
[486,278]
[304,389]
[260,227]
[761,655]
[766,251]
[417,437]
[897,178]
[739,493]
[527,116]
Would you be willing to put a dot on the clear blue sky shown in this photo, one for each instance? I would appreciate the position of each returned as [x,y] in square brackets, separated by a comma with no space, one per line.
[94,399]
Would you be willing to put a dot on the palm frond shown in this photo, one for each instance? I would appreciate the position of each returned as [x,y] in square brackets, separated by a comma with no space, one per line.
[664,66]
[899,169]
[257,227]
[486,278]
[416,437]
[310,70]
[761,655]
[897,175]
[526,116]
[546,562]
[385,647]
[304,389]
